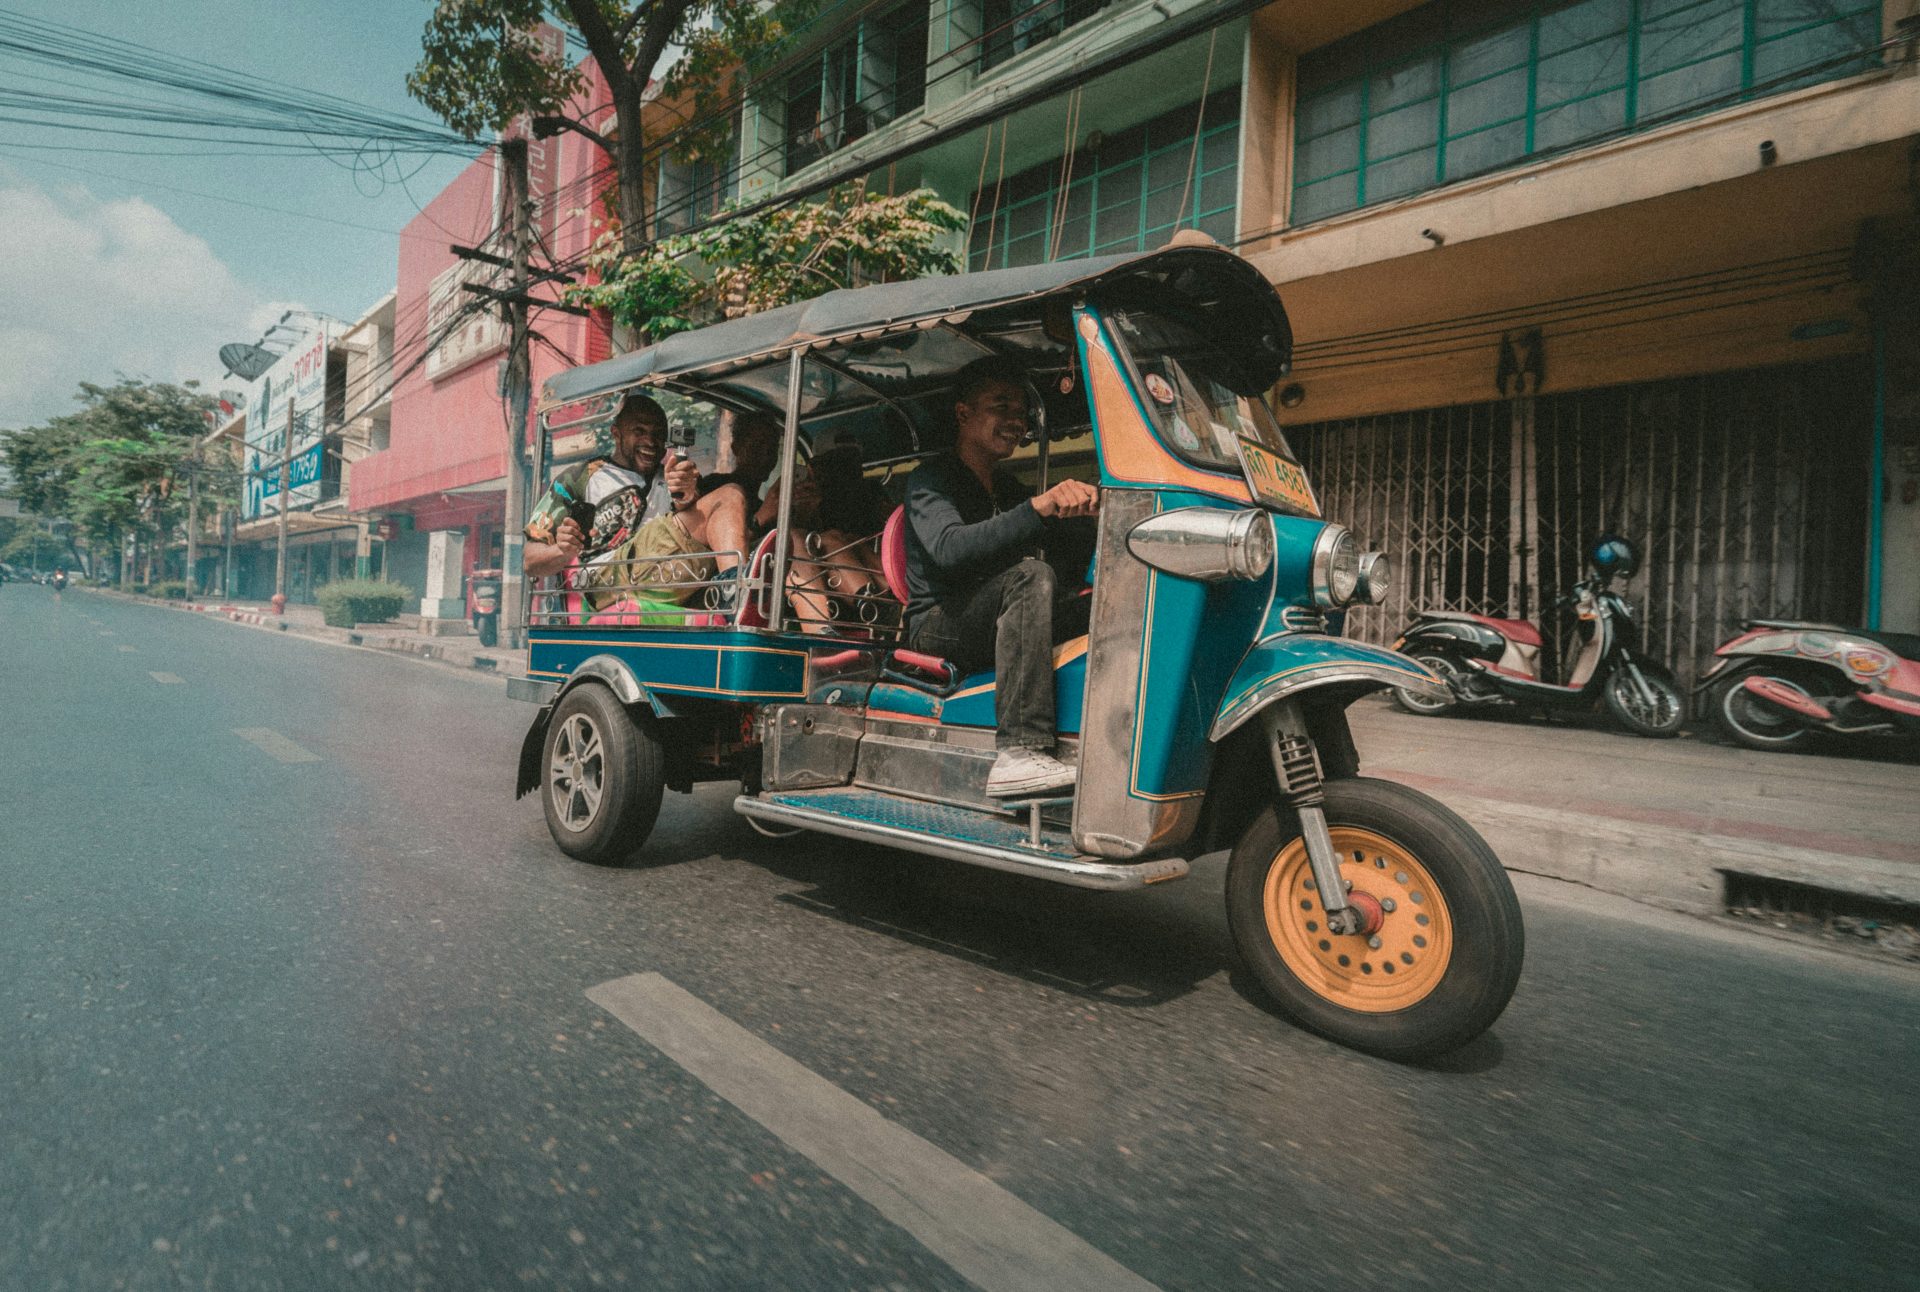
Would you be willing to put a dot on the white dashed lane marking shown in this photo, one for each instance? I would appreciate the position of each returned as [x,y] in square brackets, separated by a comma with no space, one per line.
[275,745]
[990,1238]
[127,649]
[170,679]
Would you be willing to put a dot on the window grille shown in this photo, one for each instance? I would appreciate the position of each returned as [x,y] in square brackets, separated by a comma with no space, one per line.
[1015,26]
[1445,92]
[691,192]
[1125,196]
[857,84]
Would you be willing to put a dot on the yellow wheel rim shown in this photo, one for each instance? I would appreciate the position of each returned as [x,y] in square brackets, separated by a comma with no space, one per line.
[1400,964]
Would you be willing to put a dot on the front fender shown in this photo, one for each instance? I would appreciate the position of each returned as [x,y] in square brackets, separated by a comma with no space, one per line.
[604,670]
[1286,664]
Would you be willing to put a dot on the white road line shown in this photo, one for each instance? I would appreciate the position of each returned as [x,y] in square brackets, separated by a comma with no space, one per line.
[128,649]
[169,678]
[106,632]
[275,745]
[989,1237]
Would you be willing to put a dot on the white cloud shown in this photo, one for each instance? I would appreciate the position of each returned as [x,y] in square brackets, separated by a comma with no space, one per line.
[91,288]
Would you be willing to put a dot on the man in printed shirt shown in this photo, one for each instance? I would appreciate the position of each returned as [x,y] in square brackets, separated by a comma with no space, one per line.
[650,521]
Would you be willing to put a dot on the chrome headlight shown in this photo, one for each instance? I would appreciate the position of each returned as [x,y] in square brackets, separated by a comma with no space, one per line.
[1376,577]
[1206,543]
[1336,567]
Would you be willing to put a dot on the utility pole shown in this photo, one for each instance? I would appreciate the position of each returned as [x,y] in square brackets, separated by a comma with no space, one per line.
[286,475]
[519,395]
[193,523]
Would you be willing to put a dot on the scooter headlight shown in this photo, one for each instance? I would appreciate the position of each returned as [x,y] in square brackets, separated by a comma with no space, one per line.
[1336,567]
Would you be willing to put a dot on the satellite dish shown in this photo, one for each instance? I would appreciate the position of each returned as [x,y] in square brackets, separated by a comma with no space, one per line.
[247,362]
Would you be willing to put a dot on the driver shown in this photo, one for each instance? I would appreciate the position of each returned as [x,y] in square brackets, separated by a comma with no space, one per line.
[978,593]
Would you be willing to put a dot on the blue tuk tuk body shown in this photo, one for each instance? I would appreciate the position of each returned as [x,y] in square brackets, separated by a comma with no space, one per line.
[1205,708]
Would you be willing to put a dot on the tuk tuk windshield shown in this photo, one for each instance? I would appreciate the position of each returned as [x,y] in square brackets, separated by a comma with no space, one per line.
[1181,379]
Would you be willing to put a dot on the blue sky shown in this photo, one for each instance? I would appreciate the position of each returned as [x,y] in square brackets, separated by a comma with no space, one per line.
[111,266]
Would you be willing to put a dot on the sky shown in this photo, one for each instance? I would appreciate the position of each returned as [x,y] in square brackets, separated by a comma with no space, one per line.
[122,263]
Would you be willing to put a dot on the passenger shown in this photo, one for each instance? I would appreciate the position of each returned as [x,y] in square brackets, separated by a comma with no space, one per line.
[650,530]
[756,451]
[835,574]
[978,594]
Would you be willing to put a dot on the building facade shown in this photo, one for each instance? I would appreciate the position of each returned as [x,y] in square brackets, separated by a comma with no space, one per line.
[1556,267]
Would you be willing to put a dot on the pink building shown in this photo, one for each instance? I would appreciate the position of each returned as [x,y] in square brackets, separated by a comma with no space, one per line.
[439,482]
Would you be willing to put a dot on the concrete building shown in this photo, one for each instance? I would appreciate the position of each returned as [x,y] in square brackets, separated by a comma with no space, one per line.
[1556,268]
[328,389]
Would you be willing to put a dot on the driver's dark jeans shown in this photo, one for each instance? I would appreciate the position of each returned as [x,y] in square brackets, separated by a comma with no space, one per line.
[1009,623]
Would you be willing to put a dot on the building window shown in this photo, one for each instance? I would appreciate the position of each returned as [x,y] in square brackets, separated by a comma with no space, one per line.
[691,192]
[857,84]
[1131,193]
[1012,27]
[1446,91]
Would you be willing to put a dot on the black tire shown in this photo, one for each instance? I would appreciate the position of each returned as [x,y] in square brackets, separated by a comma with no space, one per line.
[1418,705]
[1751,723]
[602,775]
[1669,709]
[489,629]
[1450,957]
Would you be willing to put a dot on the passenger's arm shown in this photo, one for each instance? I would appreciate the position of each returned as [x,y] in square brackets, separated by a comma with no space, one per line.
[952,543]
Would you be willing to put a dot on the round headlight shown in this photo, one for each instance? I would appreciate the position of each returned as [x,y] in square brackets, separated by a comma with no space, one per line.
[1250,549]
[1336,567]
[1376,576]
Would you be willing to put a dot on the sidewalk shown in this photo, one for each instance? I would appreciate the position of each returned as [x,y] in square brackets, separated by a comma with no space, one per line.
[402,636]
[1667,822]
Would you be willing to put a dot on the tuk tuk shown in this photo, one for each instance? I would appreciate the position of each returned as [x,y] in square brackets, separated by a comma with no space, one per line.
[1205,709]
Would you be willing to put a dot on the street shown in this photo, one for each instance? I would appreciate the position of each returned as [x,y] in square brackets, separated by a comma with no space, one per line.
[294,994]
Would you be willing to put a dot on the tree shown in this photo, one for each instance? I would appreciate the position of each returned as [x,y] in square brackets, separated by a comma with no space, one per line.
[483,68]
[117,467]
[775,257]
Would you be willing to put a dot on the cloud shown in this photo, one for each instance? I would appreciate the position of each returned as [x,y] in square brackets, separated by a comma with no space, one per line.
[91,288]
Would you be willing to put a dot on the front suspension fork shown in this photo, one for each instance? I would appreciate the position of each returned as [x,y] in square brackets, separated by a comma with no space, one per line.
[1296,766]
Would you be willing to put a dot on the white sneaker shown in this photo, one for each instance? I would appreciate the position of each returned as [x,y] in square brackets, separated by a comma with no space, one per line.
[1020,772]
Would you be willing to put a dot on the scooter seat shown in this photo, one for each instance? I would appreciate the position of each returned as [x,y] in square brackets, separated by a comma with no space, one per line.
[1518,630]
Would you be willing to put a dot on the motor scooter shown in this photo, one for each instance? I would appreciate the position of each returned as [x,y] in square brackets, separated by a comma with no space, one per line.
[483,605]
[1489,661]
[1779,683]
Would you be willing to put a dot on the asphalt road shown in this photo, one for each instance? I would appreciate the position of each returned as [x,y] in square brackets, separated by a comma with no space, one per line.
[294,994]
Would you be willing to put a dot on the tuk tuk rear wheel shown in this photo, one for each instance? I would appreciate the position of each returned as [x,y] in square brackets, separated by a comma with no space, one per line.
[1443,962]
[603,778]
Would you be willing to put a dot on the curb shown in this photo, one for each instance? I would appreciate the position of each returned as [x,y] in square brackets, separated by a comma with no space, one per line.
[1681,870]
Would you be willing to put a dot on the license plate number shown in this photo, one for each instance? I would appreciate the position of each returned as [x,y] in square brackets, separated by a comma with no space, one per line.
[1276,481]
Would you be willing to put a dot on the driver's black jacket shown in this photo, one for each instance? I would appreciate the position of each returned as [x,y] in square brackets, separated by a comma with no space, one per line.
[958,535]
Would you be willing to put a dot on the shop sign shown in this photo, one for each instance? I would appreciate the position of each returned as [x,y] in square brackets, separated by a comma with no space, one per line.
[298,378]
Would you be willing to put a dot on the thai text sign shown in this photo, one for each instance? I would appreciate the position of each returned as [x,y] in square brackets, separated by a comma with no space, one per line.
[297,379]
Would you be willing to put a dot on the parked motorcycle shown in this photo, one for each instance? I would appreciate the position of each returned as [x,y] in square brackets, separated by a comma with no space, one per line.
[1497,661]
[1778,682]
[483,605]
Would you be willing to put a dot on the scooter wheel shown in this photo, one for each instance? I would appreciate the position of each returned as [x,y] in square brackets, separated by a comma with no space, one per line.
[1420,705]
[1445,953]
[1662,717]
[1745,720]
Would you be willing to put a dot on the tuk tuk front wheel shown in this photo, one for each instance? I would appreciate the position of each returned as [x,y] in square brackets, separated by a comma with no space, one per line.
[1444,957]
[604,777]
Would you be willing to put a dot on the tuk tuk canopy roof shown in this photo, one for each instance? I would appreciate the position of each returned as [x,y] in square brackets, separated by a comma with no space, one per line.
[1221,293]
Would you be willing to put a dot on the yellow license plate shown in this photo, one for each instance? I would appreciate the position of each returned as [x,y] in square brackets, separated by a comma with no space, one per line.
[1276,481]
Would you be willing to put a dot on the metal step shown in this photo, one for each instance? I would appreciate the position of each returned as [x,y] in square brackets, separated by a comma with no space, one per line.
[958,834]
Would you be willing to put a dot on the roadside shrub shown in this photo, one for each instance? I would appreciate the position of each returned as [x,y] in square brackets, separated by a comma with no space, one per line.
[138,589]
[362,601]
[172,590]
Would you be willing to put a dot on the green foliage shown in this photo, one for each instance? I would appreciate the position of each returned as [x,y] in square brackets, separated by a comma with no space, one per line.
[118,466]
[172,590]
[481,66]
[361,601]
[776,257]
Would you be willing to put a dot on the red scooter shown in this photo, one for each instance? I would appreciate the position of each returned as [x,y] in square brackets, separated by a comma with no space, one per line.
[483,605]
[1778,683]
[1497,661]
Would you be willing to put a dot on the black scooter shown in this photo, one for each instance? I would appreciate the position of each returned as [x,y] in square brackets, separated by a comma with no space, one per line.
[1497,661]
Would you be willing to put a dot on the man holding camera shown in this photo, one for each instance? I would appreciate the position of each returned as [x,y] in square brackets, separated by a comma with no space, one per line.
[636,517]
